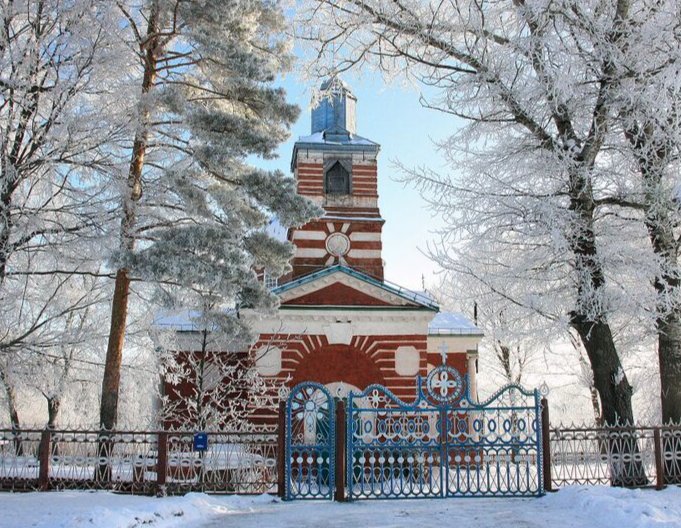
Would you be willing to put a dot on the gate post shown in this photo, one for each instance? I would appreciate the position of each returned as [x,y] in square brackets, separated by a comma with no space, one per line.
[546,444]
[44,450]
[341,468]
[659,465]
[281,450]
[161,463]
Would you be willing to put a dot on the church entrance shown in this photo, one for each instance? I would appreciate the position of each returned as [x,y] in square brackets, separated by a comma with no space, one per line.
[443,444]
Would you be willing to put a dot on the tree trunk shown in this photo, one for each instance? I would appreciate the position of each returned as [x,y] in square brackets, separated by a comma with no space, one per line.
[11,397]
[615,394]
[108,414]
[669,353]
[119,304]
[668,349]
[609,377]
[652,153]
[114,354]
[652,156]
[594,331]
[53,405]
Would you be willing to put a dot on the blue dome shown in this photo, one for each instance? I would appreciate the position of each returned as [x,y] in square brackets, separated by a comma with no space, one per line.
[336,109]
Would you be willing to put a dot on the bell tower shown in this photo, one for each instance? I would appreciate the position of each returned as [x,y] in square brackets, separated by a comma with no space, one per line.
[338,169]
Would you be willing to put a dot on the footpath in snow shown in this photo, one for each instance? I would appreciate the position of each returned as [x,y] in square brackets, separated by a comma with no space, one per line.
[571,507]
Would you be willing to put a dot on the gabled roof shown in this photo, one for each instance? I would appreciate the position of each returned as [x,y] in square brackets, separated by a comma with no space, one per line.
[408,297]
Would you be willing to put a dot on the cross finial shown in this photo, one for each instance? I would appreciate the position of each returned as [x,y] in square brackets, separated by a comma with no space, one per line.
[443,352]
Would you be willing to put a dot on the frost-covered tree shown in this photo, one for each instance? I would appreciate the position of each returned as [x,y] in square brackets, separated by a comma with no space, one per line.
[209,375]
[530,215]
[193,210]
[55,130]
[651,124]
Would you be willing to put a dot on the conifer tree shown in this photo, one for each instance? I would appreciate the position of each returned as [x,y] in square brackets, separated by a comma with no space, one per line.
[193,211]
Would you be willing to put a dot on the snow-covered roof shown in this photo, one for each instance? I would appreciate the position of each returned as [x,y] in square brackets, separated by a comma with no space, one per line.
[182,320]
[336,139]
[177,319]
[452,323]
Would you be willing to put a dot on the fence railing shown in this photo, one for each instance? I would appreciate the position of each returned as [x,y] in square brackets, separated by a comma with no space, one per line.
[138,461]
[619,456]
[149,462]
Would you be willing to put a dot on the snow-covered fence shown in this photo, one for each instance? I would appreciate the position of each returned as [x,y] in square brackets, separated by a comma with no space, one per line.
[623,456]
[137,461]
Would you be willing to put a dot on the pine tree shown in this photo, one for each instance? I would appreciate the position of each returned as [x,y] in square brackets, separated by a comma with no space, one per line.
[193,210]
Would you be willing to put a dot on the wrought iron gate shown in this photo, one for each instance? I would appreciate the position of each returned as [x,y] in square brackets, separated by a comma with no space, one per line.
[443,444]
[310,443]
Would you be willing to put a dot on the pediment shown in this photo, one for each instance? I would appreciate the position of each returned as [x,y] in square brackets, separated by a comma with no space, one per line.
[339,286]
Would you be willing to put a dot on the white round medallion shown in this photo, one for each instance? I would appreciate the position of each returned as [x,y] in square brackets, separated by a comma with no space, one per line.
[337,244]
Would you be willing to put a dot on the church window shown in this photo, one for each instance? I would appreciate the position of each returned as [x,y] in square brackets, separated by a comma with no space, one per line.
[337,179]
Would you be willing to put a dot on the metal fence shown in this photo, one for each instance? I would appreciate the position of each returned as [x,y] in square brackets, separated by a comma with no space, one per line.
[138,461]
[153,462]
[619,456]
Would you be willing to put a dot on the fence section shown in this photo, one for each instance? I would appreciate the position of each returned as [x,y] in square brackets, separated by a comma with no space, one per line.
[444,444]
[618,456]
[137,461]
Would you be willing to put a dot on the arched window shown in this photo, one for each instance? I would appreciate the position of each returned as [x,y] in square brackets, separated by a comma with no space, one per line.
[337,179]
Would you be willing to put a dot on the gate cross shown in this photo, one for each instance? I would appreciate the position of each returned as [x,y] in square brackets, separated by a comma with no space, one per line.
[444,383]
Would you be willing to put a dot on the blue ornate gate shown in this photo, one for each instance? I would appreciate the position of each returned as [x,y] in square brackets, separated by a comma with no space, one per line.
[444,444]
[310,443]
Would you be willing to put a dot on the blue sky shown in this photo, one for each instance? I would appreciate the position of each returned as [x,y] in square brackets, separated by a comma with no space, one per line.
[393,117]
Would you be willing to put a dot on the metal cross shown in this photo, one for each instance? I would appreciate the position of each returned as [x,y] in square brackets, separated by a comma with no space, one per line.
[444,383]
[443,352]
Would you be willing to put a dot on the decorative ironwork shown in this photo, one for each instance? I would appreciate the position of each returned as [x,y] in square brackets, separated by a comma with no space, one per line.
[19,462]
[131,461]
[444,384]
[622,456]
[310,443]
[443,444]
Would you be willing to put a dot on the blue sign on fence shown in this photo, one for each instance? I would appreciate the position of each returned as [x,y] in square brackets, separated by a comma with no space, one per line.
[200,441]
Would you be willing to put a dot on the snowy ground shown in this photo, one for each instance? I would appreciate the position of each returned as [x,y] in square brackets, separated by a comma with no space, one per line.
[571,507]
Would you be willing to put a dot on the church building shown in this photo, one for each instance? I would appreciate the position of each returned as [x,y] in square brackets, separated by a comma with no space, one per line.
[340,323]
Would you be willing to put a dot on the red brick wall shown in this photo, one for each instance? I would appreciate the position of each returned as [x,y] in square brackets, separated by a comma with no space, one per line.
[364,178]
[337,294]
[366,360]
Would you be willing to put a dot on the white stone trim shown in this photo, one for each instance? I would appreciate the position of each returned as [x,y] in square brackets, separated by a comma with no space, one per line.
[339,333]
[358,236]
[365,253]
[310,252]
[361,322]
[471,357]
[308,235]
[268,360]
[407,361]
